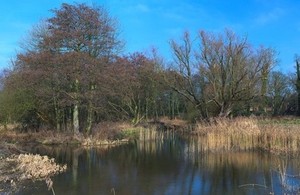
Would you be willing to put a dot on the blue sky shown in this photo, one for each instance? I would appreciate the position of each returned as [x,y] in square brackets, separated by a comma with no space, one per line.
[152,23]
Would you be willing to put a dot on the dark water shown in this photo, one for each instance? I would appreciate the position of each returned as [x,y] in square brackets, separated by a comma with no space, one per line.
[168,167]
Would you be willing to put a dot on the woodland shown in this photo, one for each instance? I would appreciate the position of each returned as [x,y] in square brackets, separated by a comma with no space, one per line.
[72,74]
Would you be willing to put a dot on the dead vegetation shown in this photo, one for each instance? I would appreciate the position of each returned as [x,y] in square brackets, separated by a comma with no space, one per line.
[36,167]
[275,136]
[18,168]
[104,133]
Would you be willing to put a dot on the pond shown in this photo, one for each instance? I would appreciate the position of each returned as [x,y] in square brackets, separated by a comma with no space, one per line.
[167,167]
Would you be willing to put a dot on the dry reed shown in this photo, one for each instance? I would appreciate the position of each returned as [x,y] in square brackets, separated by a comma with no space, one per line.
[249,134]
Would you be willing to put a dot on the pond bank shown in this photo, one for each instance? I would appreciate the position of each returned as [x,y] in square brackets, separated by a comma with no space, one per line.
[280,135]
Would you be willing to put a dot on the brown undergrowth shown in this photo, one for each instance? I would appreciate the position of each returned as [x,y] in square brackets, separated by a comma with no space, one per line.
[105,133]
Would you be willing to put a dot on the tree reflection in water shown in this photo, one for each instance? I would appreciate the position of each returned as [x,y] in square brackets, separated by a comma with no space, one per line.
[167,167]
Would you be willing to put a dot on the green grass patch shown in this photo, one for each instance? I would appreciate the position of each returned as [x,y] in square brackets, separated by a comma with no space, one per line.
[130,134]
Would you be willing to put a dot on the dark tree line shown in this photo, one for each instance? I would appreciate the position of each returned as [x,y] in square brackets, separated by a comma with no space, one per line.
[71,75]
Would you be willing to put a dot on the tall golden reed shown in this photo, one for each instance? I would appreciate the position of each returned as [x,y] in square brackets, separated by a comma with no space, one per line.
[249,134]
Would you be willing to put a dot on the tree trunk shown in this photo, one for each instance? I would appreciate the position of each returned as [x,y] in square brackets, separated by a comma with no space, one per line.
[76,118]
[90,110]
[76,110]
[57,116]
[89,118]
[225,110]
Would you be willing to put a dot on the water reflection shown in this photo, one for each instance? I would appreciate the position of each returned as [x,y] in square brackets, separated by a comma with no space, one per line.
[166,167]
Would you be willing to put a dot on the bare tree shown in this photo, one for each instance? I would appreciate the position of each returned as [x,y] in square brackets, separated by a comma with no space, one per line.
[184,79]
[221,71]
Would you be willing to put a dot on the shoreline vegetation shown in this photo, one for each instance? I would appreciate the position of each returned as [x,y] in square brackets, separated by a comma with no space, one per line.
[275,135]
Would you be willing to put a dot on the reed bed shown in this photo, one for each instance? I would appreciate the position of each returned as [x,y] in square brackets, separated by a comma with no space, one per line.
[280,138]
[249,134]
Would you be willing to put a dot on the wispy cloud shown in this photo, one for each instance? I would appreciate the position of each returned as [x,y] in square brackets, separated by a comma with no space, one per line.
[270,16]
[183,12]
[173,32]
[173,16]
[142,8]
[136,8]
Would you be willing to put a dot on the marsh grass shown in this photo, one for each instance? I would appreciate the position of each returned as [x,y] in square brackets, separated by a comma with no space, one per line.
[279,135]
[228,134]
[276,136]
